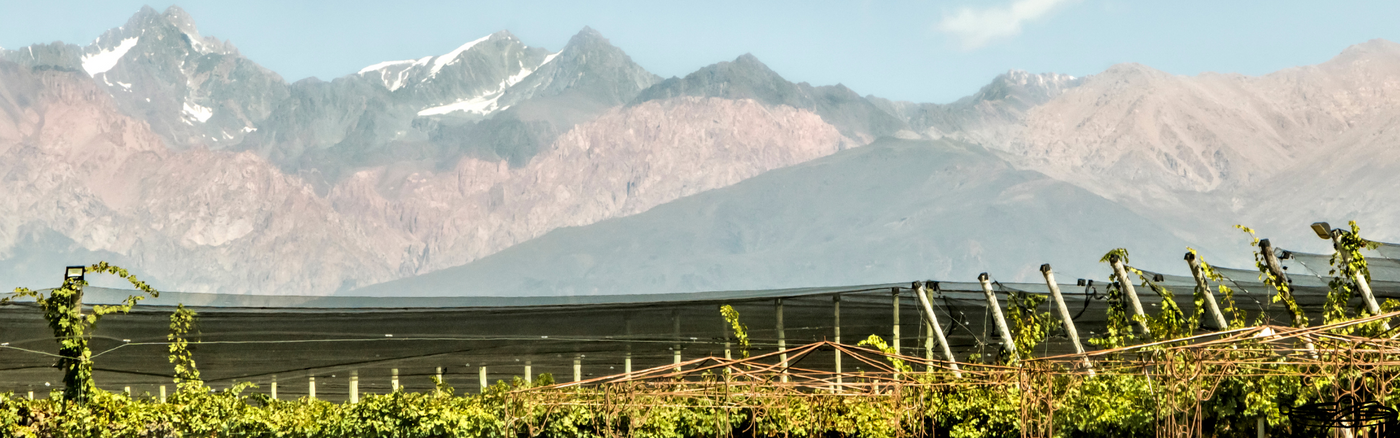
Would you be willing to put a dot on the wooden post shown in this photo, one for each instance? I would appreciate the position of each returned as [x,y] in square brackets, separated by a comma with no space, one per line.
[1064,315]
[782,342]
[529,372]
[836,315]
[894,333]
[394,379]
[578,368]
[482,378]
[1007,342]
[1199,272]
[354,386]
[1361,282]
[162,394]
[921,290]
[1130,291]
[311,388]
[273,387]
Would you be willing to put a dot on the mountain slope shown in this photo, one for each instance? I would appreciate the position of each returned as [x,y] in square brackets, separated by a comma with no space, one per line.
[892,211]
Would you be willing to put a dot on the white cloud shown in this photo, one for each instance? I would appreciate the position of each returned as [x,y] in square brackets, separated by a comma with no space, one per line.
[977,27]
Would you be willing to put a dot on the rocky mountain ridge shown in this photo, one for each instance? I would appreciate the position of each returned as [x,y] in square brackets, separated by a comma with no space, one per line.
[208,172]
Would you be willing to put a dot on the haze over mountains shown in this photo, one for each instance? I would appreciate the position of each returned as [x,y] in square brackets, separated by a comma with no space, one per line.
[505,169]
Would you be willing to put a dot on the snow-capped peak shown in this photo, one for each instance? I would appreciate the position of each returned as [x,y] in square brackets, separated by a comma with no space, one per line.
[444,60]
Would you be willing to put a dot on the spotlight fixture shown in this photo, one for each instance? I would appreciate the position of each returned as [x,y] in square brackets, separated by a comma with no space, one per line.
[74,272]
[1322,229]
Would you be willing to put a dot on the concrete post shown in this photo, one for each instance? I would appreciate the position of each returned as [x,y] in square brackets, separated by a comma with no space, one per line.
[782,342]
[529,372]
[1064,315]
[1198,272]
[1131,292]
[676,348]
[162,394]
[1365,286]
[311,387]
[921,291]
[354,386]
[836,315]
[894,332]
[578,368]
[273,387]
[483,378]
[394,379]
[992,305]
[725,329]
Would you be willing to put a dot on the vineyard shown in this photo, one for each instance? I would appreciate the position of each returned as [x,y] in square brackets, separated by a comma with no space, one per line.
[1301,345]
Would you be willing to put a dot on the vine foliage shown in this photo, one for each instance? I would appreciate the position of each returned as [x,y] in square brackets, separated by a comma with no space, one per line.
[63,309]
[182,322]
[741,332]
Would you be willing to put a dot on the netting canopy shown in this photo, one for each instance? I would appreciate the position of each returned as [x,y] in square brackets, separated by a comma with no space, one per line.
[468,340]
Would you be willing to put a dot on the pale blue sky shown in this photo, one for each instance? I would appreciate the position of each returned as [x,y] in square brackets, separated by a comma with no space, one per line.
[920,51]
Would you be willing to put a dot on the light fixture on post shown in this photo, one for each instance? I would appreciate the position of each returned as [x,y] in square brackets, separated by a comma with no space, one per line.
[1322,229]
[74,272]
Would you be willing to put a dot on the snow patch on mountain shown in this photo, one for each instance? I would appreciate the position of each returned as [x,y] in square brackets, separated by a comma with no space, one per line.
[483,105]
[102,61]
[451,57]
[197,112]
[394,74]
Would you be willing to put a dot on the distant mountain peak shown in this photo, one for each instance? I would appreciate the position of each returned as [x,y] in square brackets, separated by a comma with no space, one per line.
[180,19]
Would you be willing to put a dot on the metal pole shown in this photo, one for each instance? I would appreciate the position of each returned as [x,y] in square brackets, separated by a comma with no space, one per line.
[1007,342]
[782,342]
[1199,272]
[1064,315]
[1131,291]
[937,329]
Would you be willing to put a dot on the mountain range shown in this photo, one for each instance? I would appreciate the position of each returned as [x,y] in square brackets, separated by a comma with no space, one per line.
[504,169]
